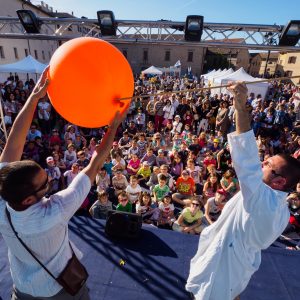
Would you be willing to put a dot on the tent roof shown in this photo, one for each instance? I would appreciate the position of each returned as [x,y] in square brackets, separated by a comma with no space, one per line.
[240,74]
[152,70]
[26,65]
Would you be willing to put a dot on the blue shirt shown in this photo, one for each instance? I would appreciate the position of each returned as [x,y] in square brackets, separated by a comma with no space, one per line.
[43,227]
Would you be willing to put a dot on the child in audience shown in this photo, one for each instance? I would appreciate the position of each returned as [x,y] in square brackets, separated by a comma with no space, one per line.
[101,207]
[166,208]
[144,207]
[124,204]
[161,189]
[133,190]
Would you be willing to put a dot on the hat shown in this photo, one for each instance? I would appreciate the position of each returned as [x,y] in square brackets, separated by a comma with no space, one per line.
[49,159]
[177,116]
[222,192]
[216,140]
[115,143]
[145,163]
[160,151]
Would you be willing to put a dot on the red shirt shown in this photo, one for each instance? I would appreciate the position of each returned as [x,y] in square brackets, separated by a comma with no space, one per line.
[185,187]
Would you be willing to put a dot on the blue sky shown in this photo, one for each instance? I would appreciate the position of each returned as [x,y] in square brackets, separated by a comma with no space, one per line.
[223,11]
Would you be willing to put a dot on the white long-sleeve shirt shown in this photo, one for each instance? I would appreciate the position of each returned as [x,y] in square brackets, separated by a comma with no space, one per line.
[44,229]
[230,249]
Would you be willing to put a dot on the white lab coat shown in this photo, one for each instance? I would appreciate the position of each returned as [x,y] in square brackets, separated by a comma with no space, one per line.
[230,249]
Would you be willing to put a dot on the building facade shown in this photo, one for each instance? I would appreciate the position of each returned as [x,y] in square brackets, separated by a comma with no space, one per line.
[258,63]
[288,64]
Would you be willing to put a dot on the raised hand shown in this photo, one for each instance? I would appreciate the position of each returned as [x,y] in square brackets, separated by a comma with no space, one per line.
[40,89]
[240,92]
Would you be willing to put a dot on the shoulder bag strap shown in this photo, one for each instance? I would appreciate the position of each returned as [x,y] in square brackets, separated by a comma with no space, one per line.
[25,246]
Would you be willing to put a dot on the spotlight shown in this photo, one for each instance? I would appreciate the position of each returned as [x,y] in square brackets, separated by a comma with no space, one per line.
[107,23]
[290,34]
[193,28]
[29,21]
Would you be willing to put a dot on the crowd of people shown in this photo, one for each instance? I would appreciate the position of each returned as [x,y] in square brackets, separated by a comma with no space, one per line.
[170,161]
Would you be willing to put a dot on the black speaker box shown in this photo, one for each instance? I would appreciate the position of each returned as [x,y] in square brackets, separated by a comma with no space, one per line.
[123,225]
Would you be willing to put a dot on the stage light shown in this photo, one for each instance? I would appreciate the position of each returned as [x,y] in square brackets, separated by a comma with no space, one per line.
[290,34]
[29,21]
[107,23]
[193,28]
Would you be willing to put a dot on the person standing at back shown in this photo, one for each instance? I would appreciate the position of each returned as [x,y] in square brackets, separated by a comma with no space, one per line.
[40,222]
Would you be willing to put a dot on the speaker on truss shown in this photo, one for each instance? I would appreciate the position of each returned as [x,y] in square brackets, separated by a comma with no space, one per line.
[107,22]
[290,34]
[29,21]
[193,28]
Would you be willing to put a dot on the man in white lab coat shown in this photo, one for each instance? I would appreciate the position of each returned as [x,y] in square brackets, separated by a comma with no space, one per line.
[230,249]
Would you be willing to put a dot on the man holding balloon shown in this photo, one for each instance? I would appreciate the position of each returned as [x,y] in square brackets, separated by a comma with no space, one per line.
[41,223]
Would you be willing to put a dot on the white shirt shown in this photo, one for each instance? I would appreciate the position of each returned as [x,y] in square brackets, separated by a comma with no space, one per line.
[133,192]
[230,249]
[44,229]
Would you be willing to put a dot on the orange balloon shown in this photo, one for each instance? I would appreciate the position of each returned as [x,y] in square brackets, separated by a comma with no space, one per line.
[87,76]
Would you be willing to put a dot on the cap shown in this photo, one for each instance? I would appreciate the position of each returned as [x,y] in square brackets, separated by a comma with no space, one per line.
[177,116]
[49,159]
[160,151]
[222,192]
[216,140]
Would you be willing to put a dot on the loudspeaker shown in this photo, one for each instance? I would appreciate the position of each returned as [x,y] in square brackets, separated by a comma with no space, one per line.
[123,225]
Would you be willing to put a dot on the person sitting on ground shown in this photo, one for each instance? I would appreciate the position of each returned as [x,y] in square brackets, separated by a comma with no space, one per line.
[144,174]
[164,170]
[70,156]
[54,175]
[190,219]
[69,175]
[102,180]
[166,208]
[134,165]
[119,182]
[185,186]
[124,203]
[145,208]
[100,208]
[229,183]
[162,159]
[150,157]
[214,206]
[161,189]
[294,207]
[133,190]
[210,187]
[153,180]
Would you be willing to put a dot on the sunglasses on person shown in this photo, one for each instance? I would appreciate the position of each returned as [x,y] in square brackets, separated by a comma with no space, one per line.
[42,187]
[195,204]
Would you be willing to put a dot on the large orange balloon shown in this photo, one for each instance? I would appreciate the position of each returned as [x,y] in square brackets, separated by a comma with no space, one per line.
[87,76]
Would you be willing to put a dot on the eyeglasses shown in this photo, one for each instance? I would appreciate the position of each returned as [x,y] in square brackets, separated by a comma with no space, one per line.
[43,186]
[196,204]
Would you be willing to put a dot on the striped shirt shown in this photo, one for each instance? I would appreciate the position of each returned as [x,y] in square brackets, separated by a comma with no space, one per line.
[44,229]
[159,105]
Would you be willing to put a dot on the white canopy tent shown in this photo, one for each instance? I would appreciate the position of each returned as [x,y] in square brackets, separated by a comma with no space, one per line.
[211,75]
[242,75]
[213,79]
[152,71]
[28,65]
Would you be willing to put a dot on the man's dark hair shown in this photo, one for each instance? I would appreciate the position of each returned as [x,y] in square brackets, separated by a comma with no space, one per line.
[291,171]
[16,180]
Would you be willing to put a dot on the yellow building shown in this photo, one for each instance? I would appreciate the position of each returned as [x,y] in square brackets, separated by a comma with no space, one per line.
[258,64]
[289,65]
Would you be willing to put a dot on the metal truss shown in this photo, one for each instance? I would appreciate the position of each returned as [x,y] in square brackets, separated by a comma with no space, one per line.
[220,35]
[168,33]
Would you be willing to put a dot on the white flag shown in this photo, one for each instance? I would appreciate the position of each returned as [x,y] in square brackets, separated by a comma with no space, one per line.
[177,64]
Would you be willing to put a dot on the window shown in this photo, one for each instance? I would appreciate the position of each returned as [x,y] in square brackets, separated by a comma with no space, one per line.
[292,60]
[43,54]
[2,52]
[26,52]
[124,51]
[167,55]
[16,53]
[49,54]
[145,55]
[288,73]
[36,54]
[190,56]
